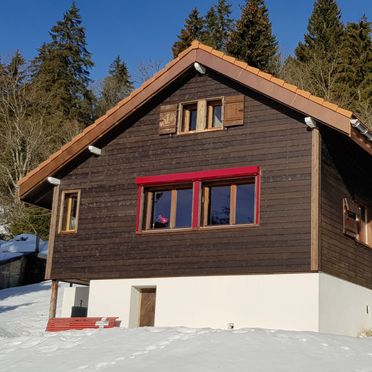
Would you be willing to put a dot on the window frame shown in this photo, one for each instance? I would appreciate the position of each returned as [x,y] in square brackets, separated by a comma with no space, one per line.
[232,183]
[148,208]
[197,179]
[211,102]
[202,115]
[63,218]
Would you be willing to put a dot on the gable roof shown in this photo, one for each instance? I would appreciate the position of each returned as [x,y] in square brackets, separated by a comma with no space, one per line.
[257,80]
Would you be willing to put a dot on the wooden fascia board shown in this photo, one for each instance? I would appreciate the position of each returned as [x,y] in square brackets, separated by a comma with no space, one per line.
[276,92]
[75,147]
[361,140]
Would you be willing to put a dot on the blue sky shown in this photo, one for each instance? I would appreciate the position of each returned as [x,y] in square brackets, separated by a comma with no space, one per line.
[142,30]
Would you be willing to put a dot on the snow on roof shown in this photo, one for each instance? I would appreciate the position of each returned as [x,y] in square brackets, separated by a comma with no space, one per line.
[20,245]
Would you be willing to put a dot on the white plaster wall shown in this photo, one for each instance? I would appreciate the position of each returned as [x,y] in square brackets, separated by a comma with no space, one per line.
[343,306]
[285,301]
[73,296]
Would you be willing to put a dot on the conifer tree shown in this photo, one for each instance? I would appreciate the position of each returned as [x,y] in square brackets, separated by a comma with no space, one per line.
[354,75]
[62,69]
[324,32]
[252,39]
[116,86]
[315,65]
[193,30]
[218,24]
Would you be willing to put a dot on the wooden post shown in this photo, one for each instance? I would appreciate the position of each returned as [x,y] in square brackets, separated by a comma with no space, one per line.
[315,197]
[53,299]
[52,232]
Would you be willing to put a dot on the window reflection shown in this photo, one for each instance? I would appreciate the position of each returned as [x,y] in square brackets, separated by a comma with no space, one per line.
[219,205]
[161,209]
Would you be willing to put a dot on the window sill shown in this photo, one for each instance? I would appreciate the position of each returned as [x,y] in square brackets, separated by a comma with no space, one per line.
[201,131]
[67,232]
[198,229]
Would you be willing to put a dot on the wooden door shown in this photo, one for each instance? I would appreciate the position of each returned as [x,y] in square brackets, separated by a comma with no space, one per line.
[147,308]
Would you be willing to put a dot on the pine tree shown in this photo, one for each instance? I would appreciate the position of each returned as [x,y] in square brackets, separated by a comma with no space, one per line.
[218,24]
[316,61]
[354,75]
[62,69]
[193,30]
[116,86]
[324,32]
[252,39]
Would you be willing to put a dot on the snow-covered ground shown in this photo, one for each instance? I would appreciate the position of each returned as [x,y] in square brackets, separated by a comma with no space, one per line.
[24,346]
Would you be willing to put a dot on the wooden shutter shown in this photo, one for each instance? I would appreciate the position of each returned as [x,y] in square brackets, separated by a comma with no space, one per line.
[233,111]
[351,218]
[168,119]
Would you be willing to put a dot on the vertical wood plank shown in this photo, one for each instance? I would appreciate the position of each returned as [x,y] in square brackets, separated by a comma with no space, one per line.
[53,299]
[232,204]
[52,232]
[196,203]
[201,115]
[206,195]
[315,198]
[172,223]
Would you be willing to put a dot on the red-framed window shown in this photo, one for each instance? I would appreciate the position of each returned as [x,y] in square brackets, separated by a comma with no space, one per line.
[194,200]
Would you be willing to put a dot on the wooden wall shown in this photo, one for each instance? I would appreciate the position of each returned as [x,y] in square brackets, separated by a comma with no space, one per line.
[273,137]
[346,172]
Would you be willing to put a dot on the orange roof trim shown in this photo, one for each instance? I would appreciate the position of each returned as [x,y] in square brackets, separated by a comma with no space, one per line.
[277,89]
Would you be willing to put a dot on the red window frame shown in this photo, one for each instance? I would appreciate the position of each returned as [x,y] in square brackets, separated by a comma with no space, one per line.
[196,178]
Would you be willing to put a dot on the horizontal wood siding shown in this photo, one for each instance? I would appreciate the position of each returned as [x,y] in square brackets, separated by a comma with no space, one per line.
[346,172]
[273,137]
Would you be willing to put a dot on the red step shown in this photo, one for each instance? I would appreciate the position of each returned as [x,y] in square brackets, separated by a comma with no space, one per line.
[64,324]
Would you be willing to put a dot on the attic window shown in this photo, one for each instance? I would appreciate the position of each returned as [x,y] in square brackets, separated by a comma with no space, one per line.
[69,211]
[202,115]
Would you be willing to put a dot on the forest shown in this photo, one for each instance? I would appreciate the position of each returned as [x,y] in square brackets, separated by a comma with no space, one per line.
[46,101]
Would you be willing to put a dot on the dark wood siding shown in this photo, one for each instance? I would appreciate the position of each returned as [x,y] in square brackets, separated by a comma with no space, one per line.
[346,172]
[273,137]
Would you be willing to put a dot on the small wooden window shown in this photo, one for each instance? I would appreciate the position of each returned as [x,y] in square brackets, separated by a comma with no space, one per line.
[168,208]
[214,114]
[229,203]
[189,117]
[69,211]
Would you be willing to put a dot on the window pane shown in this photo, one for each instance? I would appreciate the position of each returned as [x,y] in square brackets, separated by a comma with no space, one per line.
[245,198]
[73,212]
[184,208]
[217,120]
[219,208]
[192,123]
[161,209]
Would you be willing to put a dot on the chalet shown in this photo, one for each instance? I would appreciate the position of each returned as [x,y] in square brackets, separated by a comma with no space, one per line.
[215,195]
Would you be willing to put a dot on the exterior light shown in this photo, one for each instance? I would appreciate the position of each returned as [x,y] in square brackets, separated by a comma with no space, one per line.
[310,122]
[54,181]
[198,67]
[95,150]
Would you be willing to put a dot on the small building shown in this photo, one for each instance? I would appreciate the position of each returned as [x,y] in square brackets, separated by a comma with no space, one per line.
[215,195]
[22,260]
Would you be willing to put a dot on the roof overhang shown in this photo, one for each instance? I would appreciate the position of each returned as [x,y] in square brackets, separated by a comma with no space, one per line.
[322,111]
